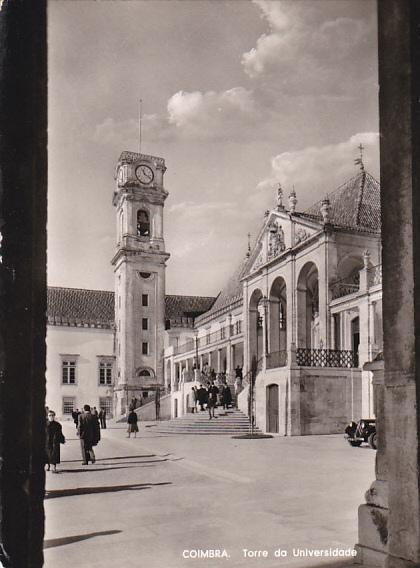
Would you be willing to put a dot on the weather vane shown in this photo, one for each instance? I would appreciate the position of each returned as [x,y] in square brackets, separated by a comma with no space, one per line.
[359,161]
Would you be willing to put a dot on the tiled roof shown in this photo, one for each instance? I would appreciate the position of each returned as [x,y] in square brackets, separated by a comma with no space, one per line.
[95,308]
[232,291]
[177,307]
[356,204]
[76,306]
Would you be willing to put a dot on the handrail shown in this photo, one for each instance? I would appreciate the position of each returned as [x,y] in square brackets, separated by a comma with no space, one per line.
[220,335]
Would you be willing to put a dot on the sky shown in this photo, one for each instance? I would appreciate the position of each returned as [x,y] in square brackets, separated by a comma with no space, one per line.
[238,96]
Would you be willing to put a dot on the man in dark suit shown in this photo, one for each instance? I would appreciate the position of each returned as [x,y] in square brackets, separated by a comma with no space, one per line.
[89,433]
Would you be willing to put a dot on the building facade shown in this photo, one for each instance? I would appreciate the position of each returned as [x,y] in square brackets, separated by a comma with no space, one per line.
[300,315]
[305,307]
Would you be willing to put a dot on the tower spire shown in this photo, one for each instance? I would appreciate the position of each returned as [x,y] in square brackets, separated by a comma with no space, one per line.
[140,122]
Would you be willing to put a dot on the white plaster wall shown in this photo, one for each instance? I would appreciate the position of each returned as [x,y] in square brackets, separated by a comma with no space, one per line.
[88,343]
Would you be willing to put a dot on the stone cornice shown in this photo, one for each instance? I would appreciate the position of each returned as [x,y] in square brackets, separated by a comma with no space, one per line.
[125,253]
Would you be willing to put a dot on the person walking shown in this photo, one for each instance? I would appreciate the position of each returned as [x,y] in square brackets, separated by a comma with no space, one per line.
[194,399]
[202,397]
[54,437]
[89,433]
[102,418]
[75,416]
[226,396]
[132,420]
[212,392]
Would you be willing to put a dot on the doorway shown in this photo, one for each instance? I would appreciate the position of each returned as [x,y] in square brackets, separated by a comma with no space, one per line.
[273,409]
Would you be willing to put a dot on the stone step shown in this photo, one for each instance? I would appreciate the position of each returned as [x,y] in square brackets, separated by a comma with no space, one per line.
[229,422]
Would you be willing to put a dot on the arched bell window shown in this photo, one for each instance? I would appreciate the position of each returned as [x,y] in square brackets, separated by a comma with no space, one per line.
[143,223]
[145,374]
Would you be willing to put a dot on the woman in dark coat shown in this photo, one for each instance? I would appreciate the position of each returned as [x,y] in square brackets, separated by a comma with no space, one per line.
[226,396]
[132,423]
[54,437]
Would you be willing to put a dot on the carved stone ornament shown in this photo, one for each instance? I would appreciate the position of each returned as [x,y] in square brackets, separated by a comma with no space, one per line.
[258,262]
[301,235]
[276,243]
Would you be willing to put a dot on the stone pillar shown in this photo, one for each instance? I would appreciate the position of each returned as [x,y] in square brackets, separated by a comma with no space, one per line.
[373,515]
[399,105]
[332,328]
[228,358]
[219,361]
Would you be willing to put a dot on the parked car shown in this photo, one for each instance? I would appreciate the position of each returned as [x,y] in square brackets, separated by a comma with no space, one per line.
[363,431]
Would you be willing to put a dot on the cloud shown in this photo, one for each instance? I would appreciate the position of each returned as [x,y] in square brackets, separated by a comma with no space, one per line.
[211,114]
[190,115]
[308,54]
[318,170]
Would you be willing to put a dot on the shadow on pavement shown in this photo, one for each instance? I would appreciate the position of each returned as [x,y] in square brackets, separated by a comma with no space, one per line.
[111,466]
[53,542]
[117,458]
[54,493]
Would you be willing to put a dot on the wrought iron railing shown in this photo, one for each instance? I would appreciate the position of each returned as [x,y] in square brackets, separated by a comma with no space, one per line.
[326,358]
[276,359]
[375,275]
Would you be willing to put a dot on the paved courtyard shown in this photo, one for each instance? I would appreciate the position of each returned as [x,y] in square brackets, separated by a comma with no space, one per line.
[152,501]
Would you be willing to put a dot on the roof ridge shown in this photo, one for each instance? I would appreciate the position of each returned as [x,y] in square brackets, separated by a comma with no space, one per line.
[360,196]
[79,289]
[189,296]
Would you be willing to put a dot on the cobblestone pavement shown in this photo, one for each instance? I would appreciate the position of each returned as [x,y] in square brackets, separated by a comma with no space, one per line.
[152,501]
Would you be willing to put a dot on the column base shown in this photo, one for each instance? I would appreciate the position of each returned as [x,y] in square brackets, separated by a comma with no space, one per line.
[373,536]
[369,557]
[394,562]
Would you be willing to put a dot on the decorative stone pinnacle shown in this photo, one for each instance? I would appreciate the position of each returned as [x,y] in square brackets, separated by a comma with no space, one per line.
[292,200]
[266,213]
[366,258]
[280,205]
[248,252]
[359,161]
[325,210]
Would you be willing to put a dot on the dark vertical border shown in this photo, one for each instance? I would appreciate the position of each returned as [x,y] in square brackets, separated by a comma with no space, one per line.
[23,194]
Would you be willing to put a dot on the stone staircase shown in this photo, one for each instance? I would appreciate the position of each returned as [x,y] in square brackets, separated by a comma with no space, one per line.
[230,421]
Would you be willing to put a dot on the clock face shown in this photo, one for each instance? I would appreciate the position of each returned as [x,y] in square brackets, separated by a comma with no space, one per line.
[144,174]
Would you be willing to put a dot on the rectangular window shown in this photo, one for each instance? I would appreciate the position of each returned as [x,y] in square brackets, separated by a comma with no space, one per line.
[238,326]
[105,373]
[68,368]
[222,333]
[145,324]
[145,300]
[145,348]
[105,403]
[68,404]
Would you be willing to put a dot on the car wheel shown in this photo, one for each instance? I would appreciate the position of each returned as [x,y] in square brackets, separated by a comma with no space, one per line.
[372,441]
[355,443]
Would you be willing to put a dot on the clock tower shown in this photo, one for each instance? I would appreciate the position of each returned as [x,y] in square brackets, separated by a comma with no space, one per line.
[139,267]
